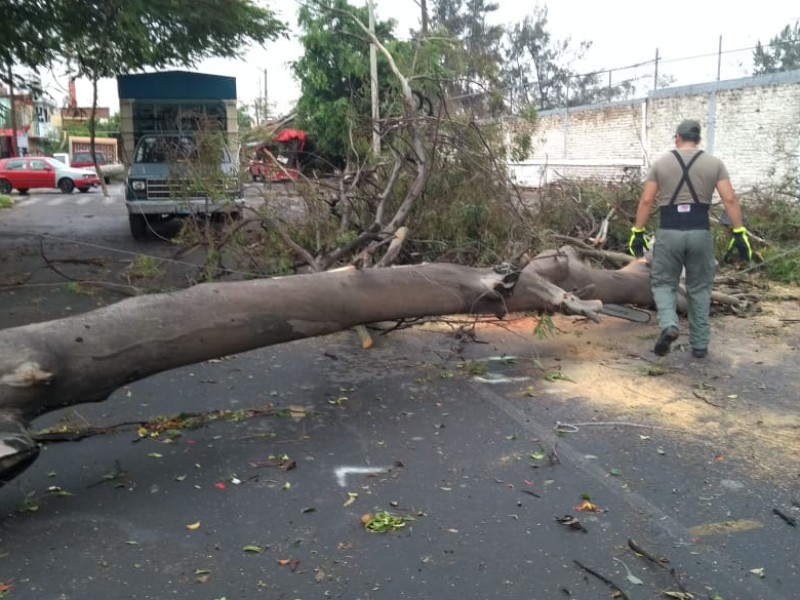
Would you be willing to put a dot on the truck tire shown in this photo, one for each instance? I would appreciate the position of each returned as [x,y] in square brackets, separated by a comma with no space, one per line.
[83,190]
[138,225]
[5,186]
[66,185]
[22,191]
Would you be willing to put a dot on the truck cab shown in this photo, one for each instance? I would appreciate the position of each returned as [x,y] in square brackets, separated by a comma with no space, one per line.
[179,133]
[174,175]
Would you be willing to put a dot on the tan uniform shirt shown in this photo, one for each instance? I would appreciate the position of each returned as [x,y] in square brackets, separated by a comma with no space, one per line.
[705,173]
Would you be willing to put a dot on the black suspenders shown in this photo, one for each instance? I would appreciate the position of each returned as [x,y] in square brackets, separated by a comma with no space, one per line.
[685,178]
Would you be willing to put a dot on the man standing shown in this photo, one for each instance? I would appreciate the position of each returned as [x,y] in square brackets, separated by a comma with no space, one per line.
[684,181]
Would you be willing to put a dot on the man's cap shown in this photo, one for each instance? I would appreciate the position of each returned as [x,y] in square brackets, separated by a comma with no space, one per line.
[687,127]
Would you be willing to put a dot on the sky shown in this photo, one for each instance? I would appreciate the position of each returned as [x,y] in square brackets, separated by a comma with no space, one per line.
[622,32]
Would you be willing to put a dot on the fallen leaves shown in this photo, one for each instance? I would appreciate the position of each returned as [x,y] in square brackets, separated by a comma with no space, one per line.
[572,523]
[252,549]
[587,506]
[292,563]
[351,497]
[630,576]
[193,526]
[202,575]
[384,522]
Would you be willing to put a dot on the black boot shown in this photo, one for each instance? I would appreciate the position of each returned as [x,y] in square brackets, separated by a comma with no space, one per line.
[664,341]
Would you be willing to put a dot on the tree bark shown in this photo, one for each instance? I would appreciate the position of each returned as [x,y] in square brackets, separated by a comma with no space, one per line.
[84,358]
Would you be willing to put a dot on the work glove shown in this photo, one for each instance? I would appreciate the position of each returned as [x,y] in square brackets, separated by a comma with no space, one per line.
[638,243]
[740,243]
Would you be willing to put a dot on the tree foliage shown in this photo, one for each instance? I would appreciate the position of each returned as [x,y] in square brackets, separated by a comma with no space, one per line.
[28,34]
[334,77]
[475,72]
[781,54]
[537,69]
[109,37]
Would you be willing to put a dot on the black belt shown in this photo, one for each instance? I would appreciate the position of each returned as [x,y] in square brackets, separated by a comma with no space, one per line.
[684,217]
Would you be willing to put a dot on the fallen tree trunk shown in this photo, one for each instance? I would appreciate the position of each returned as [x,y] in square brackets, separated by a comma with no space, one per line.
[84,358]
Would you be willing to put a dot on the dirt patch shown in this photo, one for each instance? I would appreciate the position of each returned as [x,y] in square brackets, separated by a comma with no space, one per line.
[741,399]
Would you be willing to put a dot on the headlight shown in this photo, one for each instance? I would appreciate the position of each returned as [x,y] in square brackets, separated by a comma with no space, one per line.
[138,185]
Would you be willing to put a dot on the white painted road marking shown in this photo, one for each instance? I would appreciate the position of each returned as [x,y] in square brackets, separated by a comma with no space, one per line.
[343,472]
[494,378]
[27,202]
[83,200]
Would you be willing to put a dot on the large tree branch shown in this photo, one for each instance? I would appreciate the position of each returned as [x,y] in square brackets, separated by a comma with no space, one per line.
[84,358]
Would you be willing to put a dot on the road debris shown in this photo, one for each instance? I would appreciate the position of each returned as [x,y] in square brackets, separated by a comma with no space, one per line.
[384,522]
[620,593]
[786,518]
[572,523]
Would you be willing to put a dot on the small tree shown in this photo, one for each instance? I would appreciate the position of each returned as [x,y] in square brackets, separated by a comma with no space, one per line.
[119,36]
[781,54]
[334,78]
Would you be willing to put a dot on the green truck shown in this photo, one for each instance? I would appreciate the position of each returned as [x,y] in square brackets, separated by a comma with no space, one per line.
[180,146]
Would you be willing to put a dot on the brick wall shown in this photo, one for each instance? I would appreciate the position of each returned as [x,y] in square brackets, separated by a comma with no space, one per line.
[753,124]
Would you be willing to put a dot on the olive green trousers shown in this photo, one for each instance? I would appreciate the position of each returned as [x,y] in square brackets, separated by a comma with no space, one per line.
[674,251]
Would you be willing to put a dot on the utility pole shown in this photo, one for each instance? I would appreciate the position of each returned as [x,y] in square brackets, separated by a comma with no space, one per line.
[373,75]
[256,106]
[13,105]
[266,97]
[719,59]
[655,75]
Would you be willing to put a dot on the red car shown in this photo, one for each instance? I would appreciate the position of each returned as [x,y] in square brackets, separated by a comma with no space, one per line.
[25,173]
[83,160]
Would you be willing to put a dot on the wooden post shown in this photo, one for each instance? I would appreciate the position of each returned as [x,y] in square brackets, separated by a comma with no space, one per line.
[13,105]
[655,75]
[373,75]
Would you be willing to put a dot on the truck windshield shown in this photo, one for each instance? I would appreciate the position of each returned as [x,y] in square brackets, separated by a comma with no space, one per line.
[86,157]
[179,148]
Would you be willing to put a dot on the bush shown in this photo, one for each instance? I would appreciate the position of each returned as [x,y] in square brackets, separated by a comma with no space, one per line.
[6,201]
[783,266]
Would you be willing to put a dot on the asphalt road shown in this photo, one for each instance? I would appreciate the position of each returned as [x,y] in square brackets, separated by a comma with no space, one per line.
[419,426]
[88,218]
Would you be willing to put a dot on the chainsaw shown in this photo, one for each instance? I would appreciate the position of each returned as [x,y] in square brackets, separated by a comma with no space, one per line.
[637,315]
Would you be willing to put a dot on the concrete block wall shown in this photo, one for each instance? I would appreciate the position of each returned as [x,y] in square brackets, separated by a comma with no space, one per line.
[758,134]
[586,142]
[753,124]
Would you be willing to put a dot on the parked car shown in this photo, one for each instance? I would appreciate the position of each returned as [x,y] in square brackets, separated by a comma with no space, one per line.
[108,169]
[25,173]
